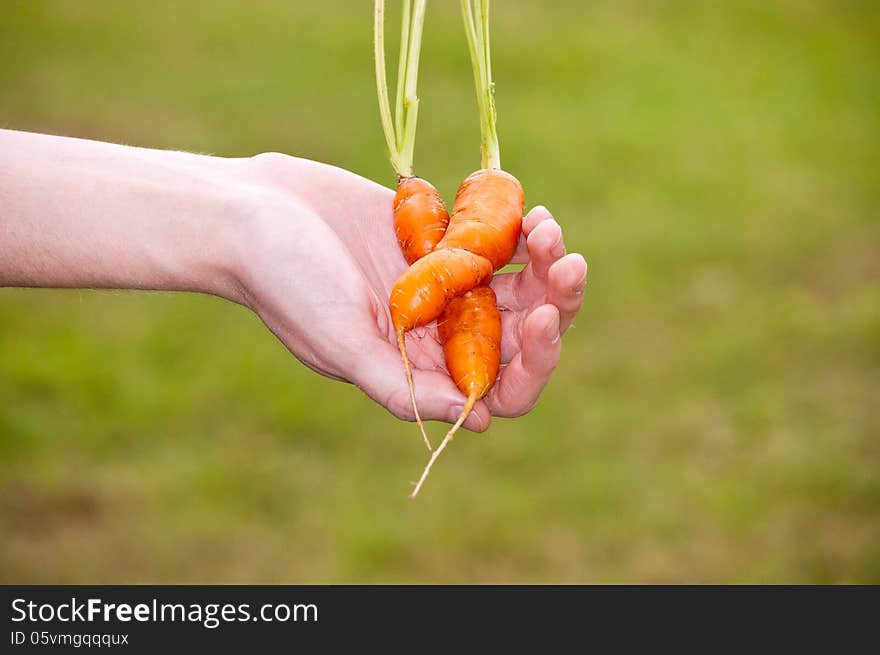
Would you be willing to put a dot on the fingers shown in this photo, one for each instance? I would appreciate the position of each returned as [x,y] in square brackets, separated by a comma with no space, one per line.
[530,221]
[534,217]
[566,280]
[379,373]
[523,379]
[565,289]
[545,247]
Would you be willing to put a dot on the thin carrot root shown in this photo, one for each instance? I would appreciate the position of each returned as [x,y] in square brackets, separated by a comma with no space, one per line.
[468,408]
[401,344]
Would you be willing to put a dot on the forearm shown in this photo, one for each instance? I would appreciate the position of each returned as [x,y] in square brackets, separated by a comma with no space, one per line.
[77,213]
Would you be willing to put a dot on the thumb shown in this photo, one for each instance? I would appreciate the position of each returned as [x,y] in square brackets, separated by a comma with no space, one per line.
[379,374]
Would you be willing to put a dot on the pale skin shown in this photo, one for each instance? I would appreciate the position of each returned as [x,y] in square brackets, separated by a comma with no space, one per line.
[309,247]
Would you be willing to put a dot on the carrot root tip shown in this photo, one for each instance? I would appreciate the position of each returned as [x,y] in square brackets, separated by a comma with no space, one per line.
[401,344]
[468,408]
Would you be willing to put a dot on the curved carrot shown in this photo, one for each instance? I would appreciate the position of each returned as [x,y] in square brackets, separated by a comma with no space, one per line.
[483,230]
[420,220]
[481,237]
[424,295]
[420,217]
[420,295]
[470,331]
[451,259]
[487,216]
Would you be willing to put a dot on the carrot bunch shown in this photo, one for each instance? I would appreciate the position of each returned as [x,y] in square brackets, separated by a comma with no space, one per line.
[452,258]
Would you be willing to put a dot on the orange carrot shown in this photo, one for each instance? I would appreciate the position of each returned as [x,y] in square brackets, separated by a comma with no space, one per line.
[420,220]
[452,260]
[486,221]
[420,295]
[470,331]
[482,235]
[420,217]
[481,238]
[487,216]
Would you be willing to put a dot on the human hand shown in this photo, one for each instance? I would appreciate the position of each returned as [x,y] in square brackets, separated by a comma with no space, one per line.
[322,259]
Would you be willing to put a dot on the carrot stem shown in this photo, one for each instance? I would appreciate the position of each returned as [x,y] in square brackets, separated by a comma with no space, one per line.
[401,344]
[382,82]
[399,129]
[410,99]
[468,408]
[476,26]
[401,69]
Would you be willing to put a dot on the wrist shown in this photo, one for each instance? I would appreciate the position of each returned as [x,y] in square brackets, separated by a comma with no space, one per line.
[255,203]
[216,255]
[264,197]
[247,202]
[200,246]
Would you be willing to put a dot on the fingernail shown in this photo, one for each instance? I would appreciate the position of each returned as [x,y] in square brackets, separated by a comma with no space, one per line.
[551,332]
[558,248]
[580,278]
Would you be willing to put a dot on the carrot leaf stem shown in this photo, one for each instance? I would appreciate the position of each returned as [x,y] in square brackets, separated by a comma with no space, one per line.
[406,14]
[382,82]
[400,128]
[410,98]
[476,26]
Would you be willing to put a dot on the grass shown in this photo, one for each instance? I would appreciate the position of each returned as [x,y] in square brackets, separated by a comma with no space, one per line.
[713,419]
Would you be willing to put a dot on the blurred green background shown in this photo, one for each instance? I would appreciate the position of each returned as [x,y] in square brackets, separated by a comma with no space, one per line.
[714,416]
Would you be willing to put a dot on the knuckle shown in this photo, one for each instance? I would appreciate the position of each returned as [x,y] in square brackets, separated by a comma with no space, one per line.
[271,159]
